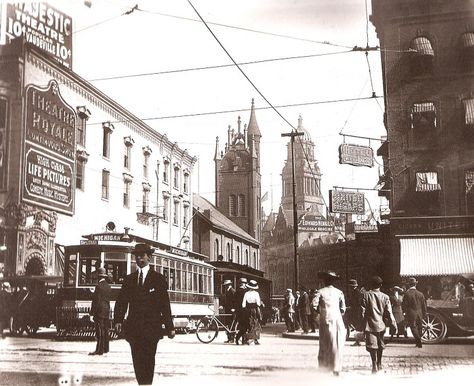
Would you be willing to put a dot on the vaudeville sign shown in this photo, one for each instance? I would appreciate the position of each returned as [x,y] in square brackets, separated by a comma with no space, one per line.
[40,25]
[341,201]
[356,155]
[48,178]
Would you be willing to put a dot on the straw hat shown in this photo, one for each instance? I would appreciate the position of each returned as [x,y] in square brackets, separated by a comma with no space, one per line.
[252,284]
[227,282]
[328,274]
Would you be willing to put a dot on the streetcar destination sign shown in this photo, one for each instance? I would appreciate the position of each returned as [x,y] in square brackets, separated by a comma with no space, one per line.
[356,155]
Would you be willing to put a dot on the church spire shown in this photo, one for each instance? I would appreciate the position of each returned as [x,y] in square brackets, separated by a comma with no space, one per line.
[217,154]
[253,125]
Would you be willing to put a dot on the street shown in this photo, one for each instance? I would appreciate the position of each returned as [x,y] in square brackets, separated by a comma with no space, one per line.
[186,361]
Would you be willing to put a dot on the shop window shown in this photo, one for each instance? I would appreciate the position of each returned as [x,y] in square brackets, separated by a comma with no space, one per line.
[422,56]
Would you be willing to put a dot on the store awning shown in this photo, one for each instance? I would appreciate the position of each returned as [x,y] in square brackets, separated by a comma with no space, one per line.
[436,256]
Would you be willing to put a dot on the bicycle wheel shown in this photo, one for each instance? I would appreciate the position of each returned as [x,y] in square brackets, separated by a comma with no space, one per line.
[207,330]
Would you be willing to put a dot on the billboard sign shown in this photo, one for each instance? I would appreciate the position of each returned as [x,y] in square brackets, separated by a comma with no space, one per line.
[40,25]
[49,171]
[341,201]
[356,155]
[315,225]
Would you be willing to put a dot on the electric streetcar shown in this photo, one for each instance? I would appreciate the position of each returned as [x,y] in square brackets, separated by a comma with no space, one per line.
[189,277]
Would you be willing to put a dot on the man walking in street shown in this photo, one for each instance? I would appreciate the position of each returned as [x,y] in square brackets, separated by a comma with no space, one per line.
[354,311]
[100,311]
[305,310]
[229,306]
[240,312]
[145,294]
[375,304]
[414,307]
[289,310]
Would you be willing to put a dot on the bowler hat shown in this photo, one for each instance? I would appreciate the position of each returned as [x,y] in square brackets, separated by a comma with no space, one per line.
[252,284]
[101,272]
[142,248]
[353,283]
[397,288]
[412,281]
[227,282]
[328,274]
[376,280]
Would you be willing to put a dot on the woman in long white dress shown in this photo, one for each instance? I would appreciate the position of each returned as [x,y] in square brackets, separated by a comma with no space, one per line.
[329,303]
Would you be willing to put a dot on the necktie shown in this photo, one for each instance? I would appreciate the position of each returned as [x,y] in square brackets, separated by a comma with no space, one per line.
[140,279]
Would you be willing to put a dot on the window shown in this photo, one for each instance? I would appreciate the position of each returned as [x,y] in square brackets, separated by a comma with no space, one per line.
[166,203]
[3,142]
[108,128]
[246,257]
[469,191]
[105,184]
[145,201]
[83,114]
[146,158]
[467,50]
[185,215]
[186,182]
[468,107]
[237,255]
[427,182]
[126,194]
[228,252]
[175,212]
[216,249]
[126,157]
[166,167]
[176,177]
[232,206]
[80,169]
[241,205]
[423,115]
[422,56]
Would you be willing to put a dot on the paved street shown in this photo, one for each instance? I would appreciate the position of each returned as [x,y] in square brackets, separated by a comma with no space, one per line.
[186,361]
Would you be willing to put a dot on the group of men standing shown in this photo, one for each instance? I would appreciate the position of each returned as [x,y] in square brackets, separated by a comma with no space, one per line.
[297,311]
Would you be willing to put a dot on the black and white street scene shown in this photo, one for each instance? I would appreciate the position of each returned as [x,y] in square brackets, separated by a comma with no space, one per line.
[252,192]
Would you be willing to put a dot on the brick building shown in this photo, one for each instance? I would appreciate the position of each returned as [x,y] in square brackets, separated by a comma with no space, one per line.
[427,53]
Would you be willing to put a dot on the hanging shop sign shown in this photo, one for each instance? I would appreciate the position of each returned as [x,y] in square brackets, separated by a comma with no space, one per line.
[48,178]
[352,227]
[341,201]
[40,25]
[356,155]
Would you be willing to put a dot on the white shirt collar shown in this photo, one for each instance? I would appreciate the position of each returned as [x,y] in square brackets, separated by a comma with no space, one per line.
[144,270]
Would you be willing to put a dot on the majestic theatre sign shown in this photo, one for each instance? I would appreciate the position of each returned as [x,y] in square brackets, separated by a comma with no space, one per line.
[48,178]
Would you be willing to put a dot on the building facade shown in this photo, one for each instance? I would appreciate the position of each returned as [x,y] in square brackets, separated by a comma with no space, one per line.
[427,53]
[74,162]
[238,178]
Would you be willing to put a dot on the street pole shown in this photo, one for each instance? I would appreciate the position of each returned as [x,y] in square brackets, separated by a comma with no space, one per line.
[292,135]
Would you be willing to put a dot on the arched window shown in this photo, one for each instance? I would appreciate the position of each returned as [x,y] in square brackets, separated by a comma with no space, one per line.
[422,56]
[216,249]
[246,262]
[241,205]
[237,255]
[232,206]
[228,252]
[254,260]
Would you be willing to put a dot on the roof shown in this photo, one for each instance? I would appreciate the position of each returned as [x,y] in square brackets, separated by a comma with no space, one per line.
[270,223]
[219,220]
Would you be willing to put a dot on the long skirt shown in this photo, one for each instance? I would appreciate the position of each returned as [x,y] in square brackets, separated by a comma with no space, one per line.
[332,336]
[254,327]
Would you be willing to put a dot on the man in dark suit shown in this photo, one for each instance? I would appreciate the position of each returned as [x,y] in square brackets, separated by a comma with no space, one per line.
[145,294]
[100,310]
[229,308]
[414,307]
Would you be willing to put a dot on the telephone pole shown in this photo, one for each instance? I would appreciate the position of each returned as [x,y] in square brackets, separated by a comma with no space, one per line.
[292,135]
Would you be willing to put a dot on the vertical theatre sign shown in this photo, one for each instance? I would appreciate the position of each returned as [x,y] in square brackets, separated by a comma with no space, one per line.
[40,25]
[346,202]
[48,178]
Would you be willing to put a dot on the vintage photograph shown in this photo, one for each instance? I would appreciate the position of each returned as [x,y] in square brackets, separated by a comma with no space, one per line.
[222,192]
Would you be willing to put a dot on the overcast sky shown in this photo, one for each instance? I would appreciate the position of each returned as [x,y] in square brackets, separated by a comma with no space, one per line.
[165,35]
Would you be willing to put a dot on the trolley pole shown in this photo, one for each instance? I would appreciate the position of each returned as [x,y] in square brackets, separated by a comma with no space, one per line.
[292,135]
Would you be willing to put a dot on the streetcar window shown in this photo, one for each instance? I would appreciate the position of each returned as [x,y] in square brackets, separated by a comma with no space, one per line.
[70,267]
[87,267]
[171,279]
[116,266]
[178,277]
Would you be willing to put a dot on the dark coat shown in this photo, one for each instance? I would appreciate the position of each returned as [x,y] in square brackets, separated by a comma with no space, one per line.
[354,311]
[414,305]
[100,307]
[148,307]
[305,306]
[229,300]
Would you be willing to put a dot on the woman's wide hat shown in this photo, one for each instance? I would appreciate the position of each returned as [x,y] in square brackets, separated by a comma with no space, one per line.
[328,274]
[252,284]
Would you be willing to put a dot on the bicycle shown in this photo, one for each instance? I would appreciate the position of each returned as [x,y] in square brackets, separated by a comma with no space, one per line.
[208,327]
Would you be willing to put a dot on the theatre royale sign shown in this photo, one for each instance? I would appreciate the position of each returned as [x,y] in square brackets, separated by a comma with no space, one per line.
[48,177]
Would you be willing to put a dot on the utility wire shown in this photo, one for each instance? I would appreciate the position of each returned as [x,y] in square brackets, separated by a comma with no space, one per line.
[217,66]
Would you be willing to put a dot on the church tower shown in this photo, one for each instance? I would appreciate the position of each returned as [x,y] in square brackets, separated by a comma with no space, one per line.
[307,176]
[238,179]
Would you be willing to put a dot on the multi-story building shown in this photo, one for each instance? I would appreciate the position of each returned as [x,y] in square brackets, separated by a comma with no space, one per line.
[238,178]
[74,162]
[427,52]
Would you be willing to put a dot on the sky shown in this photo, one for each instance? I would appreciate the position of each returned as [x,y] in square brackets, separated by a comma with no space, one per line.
[168,37]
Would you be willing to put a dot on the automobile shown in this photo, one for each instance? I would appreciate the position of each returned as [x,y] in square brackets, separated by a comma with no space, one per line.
[32,303]
[450,317]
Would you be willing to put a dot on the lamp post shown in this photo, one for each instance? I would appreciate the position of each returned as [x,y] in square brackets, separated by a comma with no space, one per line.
[292,135]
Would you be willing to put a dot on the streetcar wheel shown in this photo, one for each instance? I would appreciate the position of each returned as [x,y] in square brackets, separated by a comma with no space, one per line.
[434,328]
[207,330]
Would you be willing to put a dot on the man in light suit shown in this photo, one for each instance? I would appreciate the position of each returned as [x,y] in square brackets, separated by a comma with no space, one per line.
[100,311]
[414,307]
[145,294]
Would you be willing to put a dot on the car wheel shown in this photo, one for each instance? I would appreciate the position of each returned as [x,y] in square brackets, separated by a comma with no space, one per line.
[434,328]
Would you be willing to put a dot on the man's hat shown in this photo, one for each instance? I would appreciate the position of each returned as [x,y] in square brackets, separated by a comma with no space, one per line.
[328,274]
[376,280]
[101,272]
[353,283]
[397,288]
[227,282]
[289,290]
[412,281]
[142,248]
[242,280]
[252,284]
[6,285]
